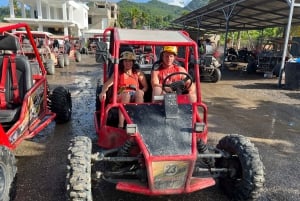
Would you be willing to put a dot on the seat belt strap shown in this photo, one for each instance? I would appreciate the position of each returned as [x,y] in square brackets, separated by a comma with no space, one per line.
[3,82]
[15,85]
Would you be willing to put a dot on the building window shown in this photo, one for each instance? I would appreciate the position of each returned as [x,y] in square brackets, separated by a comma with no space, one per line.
[90,20]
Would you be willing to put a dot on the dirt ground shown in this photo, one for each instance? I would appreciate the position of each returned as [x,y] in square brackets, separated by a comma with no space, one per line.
[250,105]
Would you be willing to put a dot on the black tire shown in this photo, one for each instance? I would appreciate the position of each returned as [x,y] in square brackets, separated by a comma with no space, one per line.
[276,70]
[78,180]
[61,62]
[66,60]
[61,104]
[35,68]
[251,67]
[216,75]
[77,56]
[50,68]
[246,180]
[98,91]
[8,172]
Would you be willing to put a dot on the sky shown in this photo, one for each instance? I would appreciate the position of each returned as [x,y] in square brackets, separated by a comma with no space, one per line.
[173,2]
[4,2]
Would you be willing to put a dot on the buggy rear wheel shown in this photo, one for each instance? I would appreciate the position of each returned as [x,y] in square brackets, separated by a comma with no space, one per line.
[251,68]
[8,171]
[216,75]
[66,60]
[61,104]
[98,91]
[276,70]
[77,56]
[50,68]
[61,61]
[245,178]
[78,184]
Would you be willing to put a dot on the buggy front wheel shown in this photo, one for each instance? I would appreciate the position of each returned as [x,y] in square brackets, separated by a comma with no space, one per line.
[78,180]
[245,178]
[8,171]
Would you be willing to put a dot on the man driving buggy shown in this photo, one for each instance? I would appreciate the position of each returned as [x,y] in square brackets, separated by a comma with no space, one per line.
[168,72]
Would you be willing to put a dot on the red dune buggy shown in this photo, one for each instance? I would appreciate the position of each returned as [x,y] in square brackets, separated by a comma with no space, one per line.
[27,105]
[163,148]
[63,49]
[42,41]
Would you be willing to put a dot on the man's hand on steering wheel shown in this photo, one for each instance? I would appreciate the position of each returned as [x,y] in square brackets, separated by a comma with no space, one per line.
[178,86]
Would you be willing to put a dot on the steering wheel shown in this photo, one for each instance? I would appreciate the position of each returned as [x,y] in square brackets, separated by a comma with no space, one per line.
[178,86]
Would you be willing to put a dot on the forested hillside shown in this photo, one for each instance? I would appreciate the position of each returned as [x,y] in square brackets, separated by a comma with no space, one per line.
[195,4]
[153,14]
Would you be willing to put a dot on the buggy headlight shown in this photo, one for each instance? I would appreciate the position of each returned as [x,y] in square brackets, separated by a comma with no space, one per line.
[131,129]
[199,127]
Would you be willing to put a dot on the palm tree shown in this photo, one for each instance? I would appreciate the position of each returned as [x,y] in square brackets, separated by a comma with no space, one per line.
[134,15]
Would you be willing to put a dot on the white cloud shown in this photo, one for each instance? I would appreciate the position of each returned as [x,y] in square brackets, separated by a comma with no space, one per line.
[180,3]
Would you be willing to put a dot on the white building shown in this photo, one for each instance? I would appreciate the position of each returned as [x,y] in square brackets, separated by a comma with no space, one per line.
[102,14]
[68,17]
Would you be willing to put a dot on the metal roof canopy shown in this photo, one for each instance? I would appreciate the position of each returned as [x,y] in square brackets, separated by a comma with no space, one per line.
[240,15]
[237,15]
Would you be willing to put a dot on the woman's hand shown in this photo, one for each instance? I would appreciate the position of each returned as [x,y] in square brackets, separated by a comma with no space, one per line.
[102,96]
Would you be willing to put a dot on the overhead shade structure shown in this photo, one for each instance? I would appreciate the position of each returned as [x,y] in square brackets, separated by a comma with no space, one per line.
[242,15]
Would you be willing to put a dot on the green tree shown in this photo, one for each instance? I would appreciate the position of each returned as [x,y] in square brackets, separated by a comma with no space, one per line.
[5,11]
[135,16]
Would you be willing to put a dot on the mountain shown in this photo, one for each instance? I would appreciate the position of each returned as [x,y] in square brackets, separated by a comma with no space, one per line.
[195,4]
[153,14]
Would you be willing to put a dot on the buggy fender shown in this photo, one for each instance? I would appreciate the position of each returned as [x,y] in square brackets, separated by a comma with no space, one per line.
[3,137]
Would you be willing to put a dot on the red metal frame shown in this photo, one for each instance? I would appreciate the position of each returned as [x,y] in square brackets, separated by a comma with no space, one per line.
[29,123]
[110,137]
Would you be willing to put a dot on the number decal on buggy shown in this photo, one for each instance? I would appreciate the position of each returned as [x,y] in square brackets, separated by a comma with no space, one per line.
[170,169]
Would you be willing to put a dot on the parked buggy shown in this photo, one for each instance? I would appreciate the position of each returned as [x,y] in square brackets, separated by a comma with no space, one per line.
[163,148]
[27,105]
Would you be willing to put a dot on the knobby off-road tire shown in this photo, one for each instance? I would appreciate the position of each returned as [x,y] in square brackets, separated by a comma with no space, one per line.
[251,68]
[66,60]
[77,56]
[78,180]
[97,100]
[247,179]
[276,70]
[61,61]
[61,104]
[8,172]
[216,75]
[50,68]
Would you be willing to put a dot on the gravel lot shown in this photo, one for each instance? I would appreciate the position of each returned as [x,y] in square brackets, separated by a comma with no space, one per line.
[240,103]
